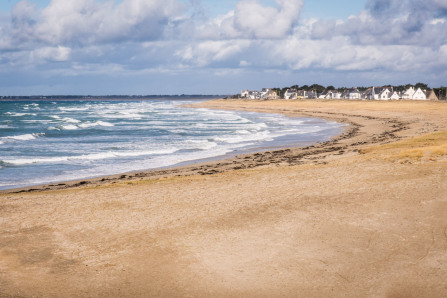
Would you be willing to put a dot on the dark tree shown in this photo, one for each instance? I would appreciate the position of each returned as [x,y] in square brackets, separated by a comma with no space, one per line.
[317,88]
[441,93]
[422,86]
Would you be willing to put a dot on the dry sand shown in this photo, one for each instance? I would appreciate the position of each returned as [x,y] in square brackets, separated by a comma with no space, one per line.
[364,215]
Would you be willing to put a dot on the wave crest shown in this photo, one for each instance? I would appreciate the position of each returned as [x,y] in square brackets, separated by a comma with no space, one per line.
[25,137]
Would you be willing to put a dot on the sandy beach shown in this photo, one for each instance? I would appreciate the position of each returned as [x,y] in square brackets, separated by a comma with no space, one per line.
[363,215]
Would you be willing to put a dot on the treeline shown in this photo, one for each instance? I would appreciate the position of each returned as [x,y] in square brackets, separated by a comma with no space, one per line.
[440,92]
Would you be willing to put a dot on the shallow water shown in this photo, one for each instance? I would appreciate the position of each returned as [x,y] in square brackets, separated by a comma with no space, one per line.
[47,142]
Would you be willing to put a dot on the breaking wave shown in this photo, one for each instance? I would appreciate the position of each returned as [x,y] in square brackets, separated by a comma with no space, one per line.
[94,138]
[25,137]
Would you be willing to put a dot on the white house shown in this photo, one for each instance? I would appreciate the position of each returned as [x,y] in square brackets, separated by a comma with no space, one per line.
[373,93]
[385,94]
[265,92]
[353,93]
[301,94]
[291,94]
[330,94]
[254,95]
[395,95]
[325,94]
[381,93]
[419,95]
[408,94]
[268,93]
[336,94]
[245,93]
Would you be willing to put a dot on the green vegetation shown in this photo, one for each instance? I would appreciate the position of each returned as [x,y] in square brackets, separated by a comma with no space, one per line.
[441,92]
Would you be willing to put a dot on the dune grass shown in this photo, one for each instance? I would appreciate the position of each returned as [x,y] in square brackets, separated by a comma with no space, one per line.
[430,146]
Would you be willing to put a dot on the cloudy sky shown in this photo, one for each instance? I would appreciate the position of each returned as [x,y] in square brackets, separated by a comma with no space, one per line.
[103,47]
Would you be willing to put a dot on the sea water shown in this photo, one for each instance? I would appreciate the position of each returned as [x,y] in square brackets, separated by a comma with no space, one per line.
[53,141]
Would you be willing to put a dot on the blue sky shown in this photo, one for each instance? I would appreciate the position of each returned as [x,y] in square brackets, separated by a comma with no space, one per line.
[217,47]
[315,8]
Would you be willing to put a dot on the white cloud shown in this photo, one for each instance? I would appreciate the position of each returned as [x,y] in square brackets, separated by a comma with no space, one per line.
[340,54]
[140,19]
[204,53]
[437,21]
[56,54]
[5,40]
[251,19]
[259,21]
[71,21]
[392,22]
[443,52]
[23,18]
[89,21]
[23,12]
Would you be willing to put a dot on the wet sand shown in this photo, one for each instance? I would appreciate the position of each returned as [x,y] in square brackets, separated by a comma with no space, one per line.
[364,214]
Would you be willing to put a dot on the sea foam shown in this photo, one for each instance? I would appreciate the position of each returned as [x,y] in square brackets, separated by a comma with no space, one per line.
[90,138]
[25,137]
[85,157]
[96,123]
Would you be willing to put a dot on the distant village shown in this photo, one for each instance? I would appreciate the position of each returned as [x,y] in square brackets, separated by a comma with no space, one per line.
[418,92]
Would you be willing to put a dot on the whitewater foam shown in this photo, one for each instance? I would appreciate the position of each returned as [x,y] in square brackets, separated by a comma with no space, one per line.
[13,114]
[70,120]
[96,123]
[86,157]
[243,138]
[197,145]
[25,137]
[88,138]
[68,127]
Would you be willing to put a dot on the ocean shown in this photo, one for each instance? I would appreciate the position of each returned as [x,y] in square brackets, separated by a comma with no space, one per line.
[54,141]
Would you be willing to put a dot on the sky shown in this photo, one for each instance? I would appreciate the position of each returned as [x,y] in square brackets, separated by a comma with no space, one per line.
[140,47]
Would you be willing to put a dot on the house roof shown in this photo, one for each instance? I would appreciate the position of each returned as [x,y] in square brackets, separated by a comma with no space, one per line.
[408,90]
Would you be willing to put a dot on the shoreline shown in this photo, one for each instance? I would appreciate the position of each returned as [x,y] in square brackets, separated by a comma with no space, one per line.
[219,164]
[275,146]
[363,215]
[339,145]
